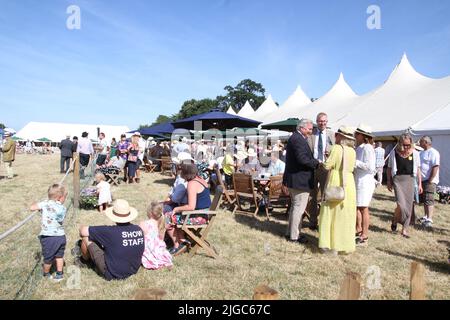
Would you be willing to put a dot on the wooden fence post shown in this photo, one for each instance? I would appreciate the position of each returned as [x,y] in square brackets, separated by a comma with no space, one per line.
[263,292]
[351,287]
[417,281]
[149,294]
[76,181]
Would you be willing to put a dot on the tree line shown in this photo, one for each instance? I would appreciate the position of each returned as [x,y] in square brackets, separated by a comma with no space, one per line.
[235,97]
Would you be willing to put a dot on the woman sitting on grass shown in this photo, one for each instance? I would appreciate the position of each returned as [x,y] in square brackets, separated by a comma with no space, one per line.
[198,199]
[155,254]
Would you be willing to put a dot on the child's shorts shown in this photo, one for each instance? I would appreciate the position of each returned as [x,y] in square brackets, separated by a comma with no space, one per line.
[52,247]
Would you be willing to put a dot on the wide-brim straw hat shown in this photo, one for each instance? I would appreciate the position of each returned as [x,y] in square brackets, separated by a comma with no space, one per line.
[346,132]
[251,152]
[365,130]
[241,155]
[121,212]
[181,157]
[137,133]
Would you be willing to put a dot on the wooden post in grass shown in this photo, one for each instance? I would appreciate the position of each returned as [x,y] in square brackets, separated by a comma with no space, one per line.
[76,181]
[351,287]
[149,294]
[417,281]
[263,292]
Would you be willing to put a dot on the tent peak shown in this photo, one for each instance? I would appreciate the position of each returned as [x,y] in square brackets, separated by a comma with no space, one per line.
[404,72]
[340,89]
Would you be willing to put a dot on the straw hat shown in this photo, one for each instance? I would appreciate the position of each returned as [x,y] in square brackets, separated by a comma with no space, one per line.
[182,156]
[121,212]
[365,130]
[241,155]
[7,134]
[346,132]
[251,152]
[137,133]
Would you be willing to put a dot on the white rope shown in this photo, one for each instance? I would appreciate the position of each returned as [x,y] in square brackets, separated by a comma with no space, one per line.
[21,223]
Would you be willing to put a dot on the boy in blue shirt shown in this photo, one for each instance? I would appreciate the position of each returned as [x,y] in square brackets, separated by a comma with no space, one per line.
[52,236]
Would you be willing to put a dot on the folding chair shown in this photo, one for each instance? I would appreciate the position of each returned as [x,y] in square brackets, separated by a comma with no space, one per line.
[227,195]
[198,233]
[245,188]
[166,164]
[114,178]
[276,195]
[149,167]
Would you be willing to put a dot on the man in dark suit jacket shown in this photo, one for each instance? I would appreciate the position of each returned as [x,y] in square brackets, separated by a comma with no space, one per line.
[321,141]
[66,148]
[299,176]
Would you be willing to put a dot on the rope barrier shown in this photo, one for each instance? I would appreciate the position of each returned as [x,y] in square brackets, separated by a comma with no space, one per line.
[24,221]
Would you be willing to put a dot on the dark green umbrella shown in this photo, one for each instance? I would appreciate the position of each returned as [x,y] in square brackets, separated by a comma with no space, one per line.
[17,139]
[286,125]
[44,140]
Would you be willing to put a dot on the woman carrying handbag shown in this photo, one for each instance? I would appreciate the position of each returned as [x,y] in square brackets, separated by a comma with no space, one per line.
[338,210]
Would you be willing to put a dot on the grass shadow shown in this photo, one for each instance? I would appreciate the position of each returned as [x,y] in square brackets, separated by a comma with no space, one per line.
[383,197]
[274,227]
[6,177]
[168,181]
[441,267]
[441,231]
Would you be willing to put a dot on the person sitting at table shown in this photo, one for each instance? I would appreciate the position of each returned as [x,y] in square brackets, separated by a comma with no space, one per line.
[251,163]
[276,166]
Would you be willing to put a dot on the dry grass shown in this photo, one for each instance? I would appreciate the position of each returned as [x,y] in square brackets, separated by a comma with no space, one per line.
[251,252]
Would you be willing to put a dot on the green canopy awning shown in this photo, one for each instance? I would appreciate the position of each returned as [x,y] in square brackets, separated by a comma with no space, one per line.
[44,140]
[285,125]
[17,139]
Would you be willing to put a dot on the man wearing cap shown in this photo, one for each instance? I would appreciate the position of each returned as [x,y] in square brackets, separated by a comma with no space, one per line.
[9,154]
[66,147]
[299,176]
[116,251]
[321,141]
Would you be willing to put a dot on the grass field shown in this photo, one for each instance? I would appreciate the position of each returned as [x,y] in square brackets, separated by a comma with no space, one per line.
[251,252]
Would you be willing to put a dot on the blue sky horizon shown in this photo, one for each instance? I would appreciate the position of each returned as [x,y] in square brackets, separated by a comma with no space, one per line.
[133,60]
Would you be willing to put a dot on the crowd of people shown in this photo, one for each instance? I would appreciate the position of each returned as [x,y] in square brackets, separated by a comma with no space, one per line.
[330,175]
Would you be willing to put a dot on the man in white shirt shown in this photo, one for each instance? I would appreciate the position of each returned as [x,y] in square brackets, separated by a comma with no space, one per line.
[276,166]
[103,150]
[320,143]
[85,150]
[430,161]
[379,162]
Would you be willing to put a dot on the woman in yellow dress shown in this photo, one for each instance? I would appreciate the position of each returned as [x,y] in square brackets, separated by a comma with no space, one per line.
[337,219]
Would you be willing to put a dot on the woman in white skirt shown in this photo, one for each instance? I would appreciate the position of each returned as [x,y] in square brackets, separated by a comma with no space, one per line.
[364,181]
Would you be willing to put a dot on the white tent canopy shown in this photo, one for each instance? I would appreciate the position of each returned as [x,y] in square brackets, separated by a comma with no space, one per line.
[231,111]
[290,108]
[58,131]
[267,107]
[246,111]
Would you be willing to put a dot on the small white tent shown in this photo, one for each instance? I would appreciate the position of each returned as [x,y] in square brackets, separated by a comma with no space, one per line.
[58,131]
[267,107]
[246,111]
[231,111]
[290,108]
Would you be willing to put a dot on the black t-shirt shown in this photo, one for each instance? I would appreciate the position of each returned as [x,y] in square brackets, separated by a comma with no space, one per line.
[124,247]
[405,166]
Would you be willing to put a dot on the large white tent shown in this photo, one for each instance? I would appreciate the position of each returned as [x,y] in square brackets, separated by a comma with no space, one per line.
[267,107]
[58,131]
[406,100]
[247,111]
[291,107]
[231,111]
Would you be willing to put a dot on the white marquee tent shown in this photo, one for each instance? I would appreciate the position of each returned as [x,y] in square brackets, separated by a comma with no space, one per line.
[58,131]
[406,100]
[231,111]
[246,111]
[267,107]
[291,107]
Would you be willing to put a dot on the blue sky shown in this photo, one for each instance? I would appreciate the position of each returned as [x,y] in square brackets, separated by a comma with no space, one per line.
[132,60]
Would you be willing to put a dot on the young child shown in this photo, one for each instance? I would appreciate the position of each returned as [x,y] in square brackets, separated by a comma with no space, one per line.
[155,254]
[52,236]
[103,191]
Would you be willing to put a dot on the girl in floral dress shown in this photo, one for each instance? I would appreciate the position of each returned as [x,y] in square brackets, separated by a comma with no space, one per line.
[155,254]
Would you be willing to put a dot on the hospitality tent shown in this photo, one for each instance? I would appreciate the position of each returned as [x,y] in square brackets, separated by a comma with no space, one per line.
[57,131]
[267,107]
[247,111]
[231,111]
[291,108]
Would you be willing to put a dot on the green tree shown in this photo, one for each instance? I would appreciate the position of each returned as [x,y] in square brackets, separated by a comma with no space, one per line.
[161,119]
[237,96]
[2,126]
[193,107]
